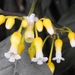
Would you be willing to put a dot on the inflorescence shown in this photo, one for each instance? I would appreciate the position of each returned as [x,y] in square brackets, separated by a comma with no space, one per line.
[31,25]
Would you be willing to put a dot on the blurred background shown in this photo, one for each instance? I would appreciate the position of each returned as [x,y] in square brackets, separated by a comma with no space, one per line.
[53,9]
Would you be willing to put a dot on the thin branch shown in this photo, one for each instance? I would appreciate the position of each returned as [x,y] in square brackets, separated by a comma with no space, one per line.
[10,13]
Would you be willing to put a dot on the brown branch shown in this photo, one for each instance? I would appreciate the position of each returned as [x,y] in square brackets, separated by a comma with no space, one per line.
[10,13]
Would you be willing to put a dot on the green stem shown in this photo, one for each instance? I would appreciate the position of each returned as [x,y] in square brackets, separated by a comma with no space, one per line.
[67,28]
[20,28]
[45,39]
[32,7]
[36,33]
[17,17]
[58,36]
[20,18]
[50,56]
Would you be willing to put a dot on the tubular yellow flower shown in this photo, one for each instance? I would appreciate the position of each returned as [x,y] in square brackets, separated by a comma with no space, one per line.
[31,51]
[58,48]
[71,37]
[2,19]
[48,25]
[15,38]
[38,43]
[39,25]
[24,23]
[51,66]
[10,22]
[29,33]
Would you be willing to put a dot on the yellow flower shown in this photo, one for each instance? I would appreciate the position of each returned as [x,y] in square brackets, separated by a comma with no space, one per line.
[39,25]
[31,51]
[38,43]
[51,66]
[21,48]
[24,23]
[48,25]
[15,38]
[2,19]
[10,22]
[71,37]
[29,33]
[58,47]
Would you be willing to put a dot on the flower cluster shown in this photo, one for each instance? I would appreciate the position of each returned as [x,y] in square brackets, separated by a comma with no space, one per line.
[32,25]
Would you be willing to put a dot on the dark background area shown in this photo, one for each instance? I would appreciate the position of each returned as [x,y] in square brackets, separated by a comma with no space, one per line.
[54,9]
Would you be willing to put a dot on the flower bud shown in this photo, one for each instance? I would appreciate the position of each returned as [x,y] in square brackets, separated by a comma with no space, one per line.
[21,48]
[24,23]
[39,25]
[51,66]
[31,51]
[2,19]
[48,25]
[71,37]
[10,22]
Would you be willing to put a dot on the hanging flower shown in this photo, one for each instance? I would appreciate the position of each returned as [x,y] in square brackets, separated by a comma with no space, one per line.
[31,51]
[29,33]
[10,22]
[71,37]
[2,19]
[39,25]
[38,43]
[12,54]
[48,25]
[58,48]
[24,23]
[51,66]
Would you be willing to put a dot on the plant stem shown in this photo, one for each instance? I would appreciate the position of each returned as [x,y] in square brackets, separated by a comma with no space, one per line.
[67,28]
[45,39]
[36,33]
[58,36]
[50,56]
[32,7]
[20,29]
